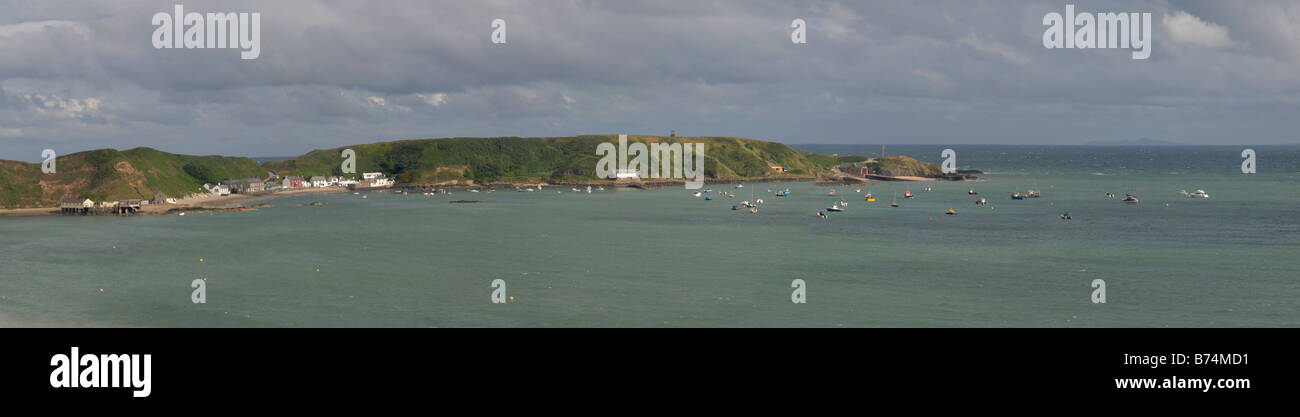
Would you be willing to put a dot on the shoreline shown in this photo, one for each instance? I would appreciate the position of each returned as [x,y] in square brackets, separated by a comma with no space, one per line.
[202,204]
[240,202]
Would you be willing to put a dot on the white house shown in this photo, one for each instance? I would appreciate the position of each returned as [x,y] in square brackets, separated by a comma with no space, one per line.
[219,189]
[372,175]
[319,182]
[76,205]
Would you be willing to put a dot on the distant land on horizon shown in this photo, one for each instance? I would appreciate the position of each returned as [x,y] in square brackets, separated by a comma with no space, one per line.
[141,173]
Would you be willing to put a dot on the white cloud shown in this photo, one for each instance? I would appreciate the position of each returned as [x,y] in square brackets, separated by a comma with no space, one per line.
[10,132]
[435,99]
[70,108]
[1183,28]
[994,48]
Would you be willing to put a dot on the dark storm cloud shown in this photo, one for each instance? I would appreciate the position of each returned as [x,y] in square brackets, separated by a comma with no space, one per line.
[341,72]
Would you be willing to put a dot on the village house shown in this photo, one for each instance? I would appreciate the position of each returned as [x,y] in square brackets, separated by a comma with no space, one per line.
[375,179]
[219,189]
[293,182]
[76,205]
[334,181]
[128,206]
[160,198]
[319,182]
[245,186]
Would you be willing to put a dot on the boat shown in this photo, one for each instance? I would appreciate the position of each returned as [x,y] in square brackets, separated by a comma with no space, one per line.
[735,207]
[739,186]
[696,194]
[971,192]
[950,212]
[908,194]
[835,207]
[588,189]
[1033,194]
[1110,195]
[895,203]
[1199,194]
[473,190]
[981,202]
[831,193]
[1130,198]
[1018,196]
[1065,216]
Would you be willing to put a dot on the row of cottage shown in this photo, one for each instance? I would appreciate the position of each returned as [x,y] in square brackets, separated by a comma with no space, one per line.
[254,185]
[83,205]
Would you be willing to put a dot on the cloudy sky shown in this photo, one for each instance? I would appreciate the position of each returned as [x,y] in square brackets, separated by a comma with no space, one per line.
[80,75]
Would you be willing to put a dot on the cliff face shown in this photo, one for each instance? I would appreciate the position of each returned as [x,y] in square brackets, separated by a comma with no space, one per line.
[108,174]
[430,161]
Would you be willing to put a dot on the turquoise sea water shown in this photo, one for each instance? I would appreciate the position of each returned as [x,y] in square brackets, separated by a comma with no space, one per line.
[663,258]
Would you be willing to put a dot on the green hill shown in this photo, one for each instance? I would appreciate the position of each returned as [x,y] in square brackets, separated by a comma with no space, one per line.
[428,161]
[108,174]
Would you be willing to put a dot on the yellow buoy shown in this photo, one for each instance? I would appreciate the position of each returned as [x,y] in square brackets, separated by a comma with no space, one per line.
[512,298]
[200,260]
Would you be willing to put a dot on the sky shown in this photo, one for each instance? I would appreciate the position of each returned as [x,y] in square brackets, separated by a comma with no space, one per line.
[79,75]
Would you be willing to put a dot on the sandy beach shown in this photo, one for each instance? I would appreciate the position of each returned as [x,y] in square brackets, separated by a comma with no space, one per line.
[194,202]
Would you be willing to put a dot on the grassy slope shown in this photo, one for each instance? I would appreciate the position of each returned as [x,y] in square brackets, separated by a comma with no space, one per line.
[108,174]
[898,165]
[560,158]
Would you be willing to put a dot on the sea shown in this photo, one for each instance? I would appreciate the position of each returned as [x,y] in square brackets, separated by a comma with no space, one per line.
[665,258]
